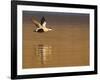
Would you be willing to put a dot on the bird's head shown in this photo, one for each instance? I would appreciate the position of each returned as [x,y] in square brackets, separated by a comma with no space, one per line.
[49,29]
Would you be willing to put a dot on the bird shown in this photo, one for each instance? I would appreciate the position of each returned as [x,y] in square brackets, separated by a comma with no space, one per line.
[41,26]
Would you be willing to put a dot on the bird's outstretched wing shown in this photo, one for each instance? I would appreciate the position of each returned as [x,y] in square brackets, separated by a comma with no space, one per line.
[43,22]
[36,23]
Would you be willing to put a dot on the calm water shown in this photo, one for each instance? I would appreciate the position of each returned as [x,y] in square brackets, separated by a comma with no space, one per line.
[42,53]
[52,49]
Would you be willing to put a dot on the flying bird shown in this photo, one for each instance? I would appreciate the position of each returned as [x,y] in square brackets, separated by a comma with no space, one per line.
[41,26]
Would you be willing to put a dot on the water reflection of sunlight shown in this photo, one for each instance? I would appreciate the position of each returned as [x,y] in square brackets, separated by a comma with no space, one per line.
[43,52]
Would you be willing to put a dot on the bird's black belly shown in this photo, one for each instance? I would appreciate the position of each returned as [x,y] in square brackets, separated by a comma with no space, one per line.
[40,30]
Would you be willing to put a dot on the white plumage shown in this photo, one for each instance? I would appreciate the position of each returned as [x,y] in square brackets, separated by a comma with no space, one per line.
[41,27]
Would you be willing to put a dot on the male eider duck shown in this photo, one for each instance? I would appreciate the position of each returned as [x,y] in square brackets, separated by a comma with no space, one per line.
[41,27]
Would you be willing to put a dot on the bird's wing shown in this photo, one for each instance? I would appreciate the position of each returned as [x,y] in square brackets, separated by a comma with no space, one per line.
[43,22]
[36,23]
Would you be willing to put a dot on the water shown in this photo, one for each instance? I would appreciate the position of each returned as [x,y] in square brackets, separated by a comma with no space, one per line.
[52,49]
[43,52]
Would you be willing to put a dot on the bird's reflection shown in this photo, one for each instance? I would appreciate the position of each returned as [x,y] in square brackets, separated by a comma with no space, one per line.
[43,52]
